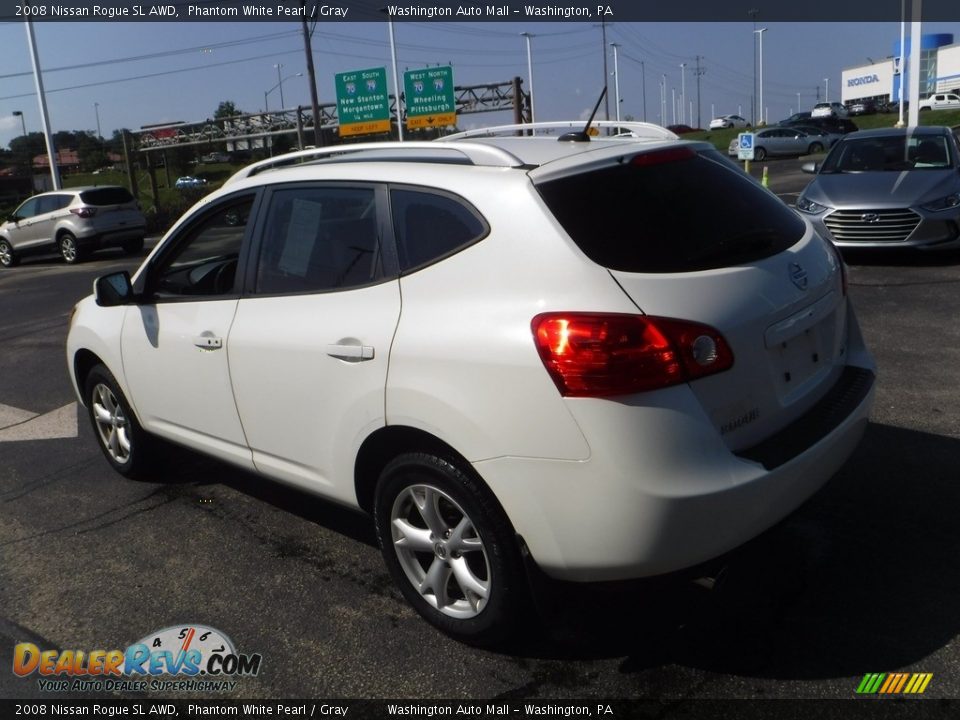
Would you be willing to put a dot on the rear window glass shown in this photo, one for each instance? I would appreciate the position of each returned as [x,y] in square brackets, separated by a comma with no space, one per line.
[106,196]
[695,213]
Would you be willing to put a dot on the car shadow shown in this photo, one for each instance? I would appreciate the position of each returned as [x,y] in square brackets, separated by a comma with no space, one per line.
[860,577]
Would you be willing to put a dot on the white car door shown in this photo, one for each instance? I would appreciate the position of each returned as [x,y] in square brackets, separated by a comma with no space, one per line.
[174,341]
[310,342]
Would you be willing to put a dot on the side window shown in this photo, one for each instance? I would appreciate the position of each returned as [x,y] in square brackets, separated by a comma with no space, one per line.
[429,226]
[317,239]
[51,203]
[28,209]
[204,260]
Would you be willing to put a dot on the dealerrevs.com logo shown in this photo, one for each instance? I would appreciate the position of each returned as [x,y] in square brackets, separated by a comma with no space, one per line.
[189,658]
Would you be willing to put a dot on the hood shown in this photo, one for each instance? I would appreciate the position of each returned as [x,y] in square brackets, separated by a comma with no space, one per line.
[882,189]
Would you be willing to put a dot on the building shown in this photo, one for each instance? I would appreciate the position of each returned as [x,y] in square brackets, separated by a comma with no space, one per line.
[880,81]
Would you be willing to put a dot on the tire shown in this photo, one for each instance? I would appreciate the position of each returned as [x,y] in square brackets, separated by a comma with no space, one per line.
[132,247]
[8,258]
[759,154]
[69,249]
[449,547]
[815,148]
[127,447]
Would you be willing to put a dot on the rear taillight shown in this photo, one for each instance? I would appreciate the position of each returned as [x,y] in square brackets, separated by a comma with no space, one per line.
[84,212]
[599,355]
[842,264]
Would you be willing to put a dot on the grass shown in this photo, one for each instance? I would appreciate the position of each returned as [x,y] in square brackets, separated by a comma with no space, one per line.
[721,138]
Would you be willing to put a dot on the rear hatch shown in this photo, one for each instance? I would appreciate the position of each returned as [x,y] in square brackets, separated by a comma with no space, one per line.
[114,208]
[688,235]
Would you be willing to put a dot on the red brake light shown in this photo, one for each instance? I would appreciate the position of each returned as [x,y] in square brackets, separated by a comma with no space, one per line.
[599,355]
[657,157]
[84,212]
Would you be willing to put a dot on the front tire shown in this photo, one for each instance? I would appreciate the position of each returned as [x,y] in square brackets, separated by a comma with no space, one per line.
[815,148]
[124,443]
[8,258]
[759,154]
[449,547]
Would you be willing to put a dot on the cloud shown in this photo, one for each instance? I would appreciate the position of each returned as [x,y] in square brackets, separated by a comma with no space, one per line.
[9,122]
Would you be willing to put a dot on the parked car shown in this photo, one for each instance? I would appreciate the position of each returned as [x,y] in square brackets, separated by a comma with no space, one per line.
[215,157]
[728,121]
[862,107]
[799,117]
[73,222]
[188,181]
[888,188]
[553,391]
[840,126]
[781,141]
[827,137]
[829,109]
[940,101]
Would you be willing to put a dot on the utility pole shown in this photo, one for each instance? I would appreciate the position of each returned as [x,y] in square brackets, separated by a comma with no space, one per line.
[606,73]
[616,77]
[753,93]
[699,71]
[643,86]
[683,92]
[311,73]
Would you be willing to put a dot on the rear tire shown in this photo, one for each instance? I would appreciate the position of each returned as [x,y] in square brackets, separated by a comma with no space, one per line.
[815,148]
[8,258]
[449,547]
[759,154]
[127,447]
[69,249]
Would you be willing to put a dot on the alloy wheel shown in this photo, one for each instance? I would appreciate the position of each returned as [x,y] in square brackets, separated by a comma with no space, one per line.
[111,423]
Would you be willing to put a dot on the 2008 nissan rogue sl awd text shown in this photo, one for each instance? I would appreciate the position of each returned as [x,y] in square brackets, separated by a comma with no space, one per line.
[612,357]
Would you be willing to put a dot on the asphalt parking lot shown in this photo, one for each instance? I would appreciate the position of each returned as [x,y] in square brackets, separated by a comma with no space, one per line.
[860,579]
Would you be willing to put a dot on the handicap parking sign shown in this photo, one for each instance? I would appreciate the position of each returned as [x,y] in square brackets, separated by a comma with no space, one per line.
[745,146]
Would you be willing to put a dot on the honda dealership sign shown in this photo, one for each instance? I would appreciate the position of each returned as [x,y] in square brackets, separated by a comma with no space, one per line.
[867,81]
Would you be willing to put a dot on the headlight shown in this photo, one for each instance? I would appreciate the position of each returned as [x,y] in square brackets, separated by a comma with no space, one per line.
[809,206]
[944,203]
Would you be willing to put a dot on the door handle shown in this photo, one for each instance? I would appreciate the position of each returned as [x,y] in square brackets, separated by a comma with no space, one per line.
[208,341]
[354,353]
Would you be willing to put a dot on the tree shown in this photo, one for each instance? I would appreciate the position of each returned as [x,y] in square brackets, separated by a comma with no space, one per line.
[90,151]
[226,109]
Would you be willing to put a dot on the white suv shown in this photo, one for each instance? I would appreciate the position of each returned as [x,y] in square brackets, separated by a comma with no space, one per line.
[831,109]
[612,358]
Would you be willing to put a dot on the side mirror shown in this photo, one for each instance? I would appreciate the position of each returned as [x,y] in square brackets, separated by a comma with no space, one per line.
[113,289]
[810,167]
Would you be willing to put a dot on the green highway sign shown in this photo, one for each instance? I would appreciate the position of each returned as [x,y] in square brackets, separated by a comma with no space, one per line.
[430,99]
[363,105]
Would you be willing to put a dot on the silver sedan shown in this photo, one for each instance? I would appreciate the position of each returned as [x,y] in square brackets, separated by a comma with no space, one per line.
[888,188]
[782,141]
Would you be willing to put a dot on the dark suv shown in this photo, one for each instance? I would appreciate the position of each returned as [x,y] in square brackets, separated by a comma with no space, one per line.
[841,126]
[73,222]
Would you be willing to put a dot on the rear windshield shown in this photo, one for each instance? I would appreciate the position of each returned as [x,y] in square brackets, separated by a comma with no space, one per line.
[695,213]
[106,196]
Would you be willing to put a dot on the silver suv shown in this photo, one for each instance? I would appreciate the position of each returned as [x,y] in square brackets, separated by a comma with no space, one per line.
[74,222]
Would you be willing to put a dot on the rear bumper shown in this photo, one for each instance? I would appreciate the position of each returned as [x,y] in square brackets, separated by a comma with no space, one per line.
[650,505]
[112,238]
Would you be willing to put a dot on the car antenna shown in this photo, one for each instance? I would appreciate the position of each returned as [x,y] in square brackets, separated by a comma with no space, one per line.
[584,135]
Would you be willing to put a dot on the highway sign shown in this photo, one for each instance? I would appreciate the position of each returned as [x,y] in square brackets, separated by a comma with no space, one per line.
[362,102]
[745,146]
[430,100]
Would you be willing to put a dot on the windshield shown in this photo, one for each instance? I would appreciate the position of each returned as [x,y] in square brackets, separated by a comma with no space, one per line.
[893,153]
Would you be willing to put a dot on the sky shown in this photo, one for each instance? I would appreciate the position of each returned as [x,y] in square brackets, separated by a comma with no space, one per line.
[135,74]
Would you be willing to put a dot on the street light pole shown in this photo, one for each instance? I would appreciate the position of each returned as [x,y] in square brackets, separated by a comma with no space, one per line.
[826,90]
[280,84]
[606,75]
[753,93]
[616,77]
[96,109]
[683,92]
[396,81]
[760,32]
[42,98]
[798,102]
[533,114]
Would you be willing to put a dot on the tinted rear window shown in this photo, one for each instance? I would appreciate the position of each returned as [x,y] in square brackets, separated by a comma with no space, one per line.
[695,213]
[106,196]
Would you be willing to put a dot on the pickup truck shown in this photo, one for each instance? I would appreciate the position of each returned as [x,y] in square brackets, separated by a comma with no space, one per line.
[941,101]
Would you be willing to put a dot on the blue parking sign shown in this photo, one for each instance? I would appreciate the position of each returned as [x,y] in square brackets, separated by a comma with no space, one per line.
[745,146]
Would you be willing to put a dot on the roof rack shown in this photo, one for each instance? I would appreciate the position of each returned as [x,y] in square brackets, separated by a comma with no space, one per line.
[627,129]
[468,153]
